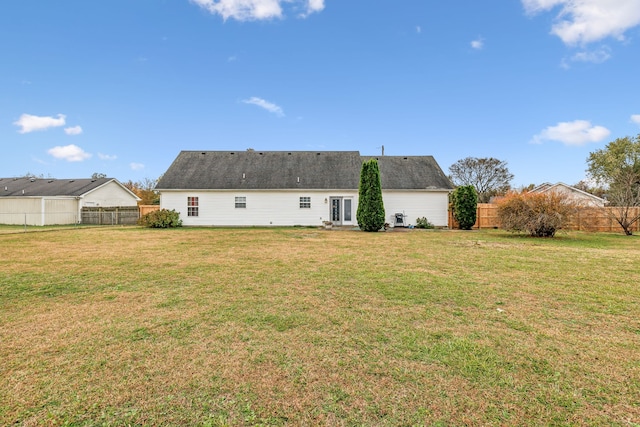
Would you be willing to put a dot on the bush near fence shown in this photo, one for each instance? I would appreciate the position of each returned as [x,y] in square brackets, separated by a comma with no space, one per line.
[588,219]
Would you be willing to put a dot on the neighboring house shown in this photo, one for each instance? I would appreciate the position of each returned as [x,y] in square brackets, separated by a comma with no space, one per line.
[287,188]
[38,201]
[575,194]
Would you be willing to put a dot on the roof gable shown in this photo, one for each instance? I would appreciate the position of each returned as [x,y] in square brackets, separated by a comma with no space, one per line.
[276,170]
[565,188]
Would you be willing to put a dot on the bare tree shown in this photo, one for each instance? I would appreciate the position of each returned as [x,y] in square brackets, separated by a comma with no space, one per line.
[624,199]
[489,176]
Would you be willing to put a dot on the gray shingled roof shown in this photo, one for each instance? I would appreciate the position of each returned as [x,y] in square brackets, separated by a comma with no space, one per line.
[274,170]
[40,187]
[411,173]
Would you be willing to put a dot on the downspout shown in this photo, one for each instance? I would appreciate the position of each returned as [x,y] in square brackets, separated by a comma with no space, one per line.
[42,213]
[79,209]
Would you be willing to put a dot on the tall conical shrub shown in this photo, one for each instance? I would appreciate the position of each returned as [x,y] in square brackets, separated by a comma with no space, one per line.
[370,214]
[464,202]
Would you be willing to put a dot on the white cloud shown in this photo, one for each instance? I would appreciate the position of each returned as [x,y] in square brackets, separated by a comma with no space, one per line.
[597,56]
[477,43]
[70,153]
[242,10]
[29,123]
[73,130]
[254,10]
[107,156]
[313,6]
[418,29]
[586,21]
[136,166]
[635,118]
[578,132]
[270,107]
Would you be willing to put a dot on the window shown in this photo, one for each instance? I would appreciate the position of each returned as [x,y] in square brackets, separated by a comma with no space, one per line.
[305,202]
[241,202]
[347,209]
[192,206]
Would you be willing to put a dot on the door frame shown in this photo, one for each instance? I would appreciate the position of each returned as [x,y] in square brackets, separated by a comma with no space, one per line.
[340,202]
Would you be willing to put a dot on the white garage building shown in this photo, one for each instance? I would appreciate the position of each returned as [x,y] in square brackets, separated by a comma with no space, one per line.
[38,201]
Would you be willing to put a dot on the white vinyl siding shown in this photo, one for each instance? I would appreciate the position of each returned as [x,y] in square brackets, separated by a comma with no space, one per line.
[282,208]
[433,205]
[263,208]
[110,194]
[61,211]
[38,210]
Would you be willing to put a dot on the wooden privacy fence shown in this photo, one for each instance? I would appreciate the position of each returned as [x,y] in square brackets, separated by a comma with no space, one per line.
[122,215]
[145,209]
[587,219]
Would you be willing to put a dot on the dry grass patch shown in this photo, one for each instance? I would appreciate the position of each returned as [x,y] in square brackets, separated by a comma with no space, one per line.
[301,326]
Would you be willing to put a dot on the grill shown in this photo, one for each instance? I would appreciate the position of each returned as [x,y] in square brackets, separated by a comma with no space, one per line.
[399,222]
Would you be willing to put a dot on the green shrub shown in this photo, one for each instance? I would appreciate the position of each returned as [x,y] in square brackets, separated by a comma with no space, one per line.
[423,222]
[162,218]
[464,202]
[370,213]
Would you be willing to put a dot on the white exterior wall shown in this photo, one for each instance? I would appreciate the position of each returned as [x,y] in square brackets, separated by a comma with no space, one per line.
[416,204]
[15,211]
[38,211]
[282,208]
[60,211]
[108,195]
[264,208]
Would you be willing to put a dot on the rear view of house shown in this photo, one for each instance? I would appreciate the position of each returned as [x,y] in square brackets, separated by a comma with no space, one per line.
[37,201]
[280,188]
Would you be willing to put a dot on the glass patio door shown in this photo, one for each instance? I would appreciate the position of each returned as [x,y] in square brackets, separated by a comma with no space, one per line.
[336,210]
[341,210]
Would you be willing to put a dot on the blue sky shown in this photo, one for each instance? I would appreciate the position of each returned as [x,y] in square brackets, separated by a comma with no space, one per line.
[121,87]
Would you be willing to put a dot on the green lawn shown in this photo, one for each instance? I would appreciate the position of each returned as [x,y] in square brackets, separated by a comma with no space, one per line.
[131,326]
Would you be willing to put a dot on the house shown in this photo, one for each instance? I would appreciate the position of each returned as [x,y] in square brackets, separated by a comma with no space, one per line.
[38,201]
[575,194]
[307,188]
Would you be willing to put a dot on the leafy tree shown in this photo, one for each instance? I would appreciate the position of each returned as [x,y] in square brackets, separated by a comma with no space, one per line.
[464,202]
[370,213]
[617,166]
[591,188]
[98,175]
[145,190]
[539,214]
[489,176]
